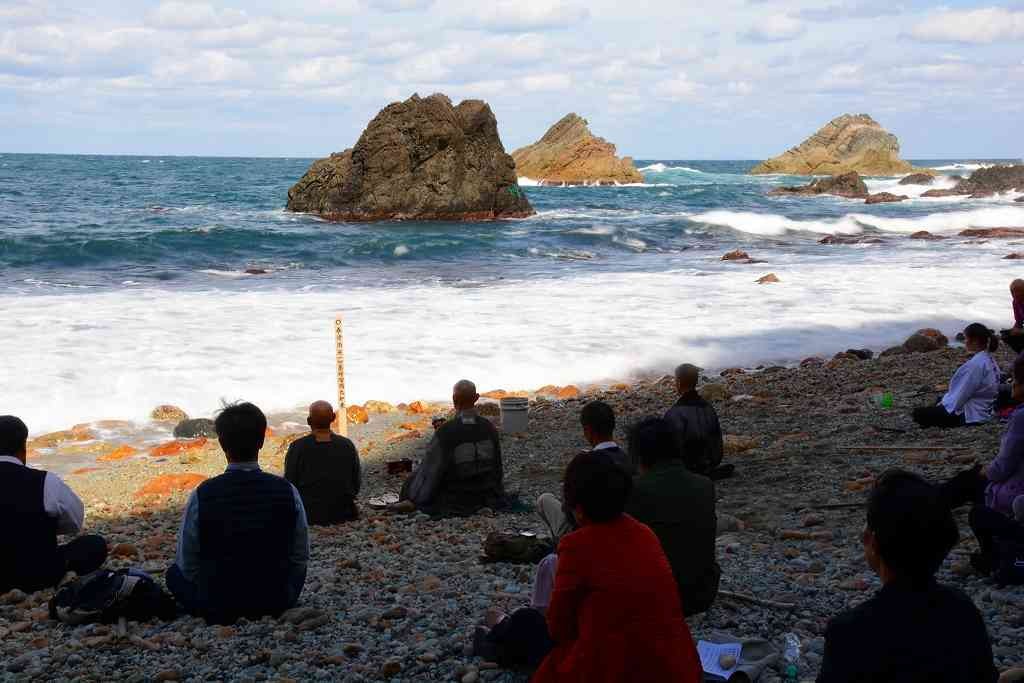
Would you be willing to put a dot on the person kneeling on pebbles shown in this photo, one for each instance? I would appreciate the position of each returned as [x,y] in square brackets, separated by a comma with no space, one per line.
[244,541]
[462,471]
[36,507]
[598,421]
[973,390]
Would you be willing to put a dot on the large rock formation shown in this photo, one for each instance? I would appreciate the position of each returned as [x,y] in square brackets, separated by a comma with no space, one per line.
[422,159]
[569,154]
[848,143]
[986,182]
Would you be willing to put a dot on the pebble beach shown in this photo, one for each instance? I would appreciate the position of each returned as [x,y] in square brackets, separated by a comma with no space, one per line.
[396,597]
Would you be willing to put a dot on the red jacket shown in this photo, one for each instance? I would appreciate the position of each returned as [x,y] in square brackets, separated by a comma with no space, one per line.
[615,613]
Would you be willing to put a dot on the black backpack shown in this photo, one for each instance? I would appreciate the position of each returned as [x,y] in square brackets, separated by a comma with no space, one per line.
[104,596]
[1009,565]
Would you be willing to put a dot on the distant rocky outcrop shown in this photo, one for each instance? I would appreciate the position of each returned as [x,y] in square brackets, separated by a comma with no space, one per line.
[918,179]
[847,143]
[569,154]
[986,182]
[885,197]
[846,185]
[421,159]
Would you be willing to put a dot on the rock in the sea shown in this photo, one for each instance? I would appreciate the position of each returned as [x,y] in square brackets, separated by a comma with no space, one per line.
[768,279]
[737,255]
[918,179]
[925,235]
[845,185]
[847,143]
[379,407]
[357,415]
[569,154]
[988,181]
[850,239]
[1015,256]
[1019,200]
[993,233]
[885,197]
[926,340]
[421,159]
[167,413]
[941,193]
[190,429]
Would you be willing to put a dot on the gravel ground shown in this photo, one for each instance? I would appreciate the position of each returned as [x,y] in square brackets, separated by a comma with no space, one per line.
[397,597]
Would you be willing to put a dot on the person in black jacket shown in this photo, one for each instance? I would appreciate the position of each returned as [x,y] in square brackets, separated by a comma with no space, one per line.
[697,428]
[913,630]
[324,467]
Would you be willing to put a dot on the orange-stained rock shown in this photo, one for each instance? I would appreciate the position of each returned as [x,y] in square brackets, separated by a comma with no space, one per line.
[409,426]
[736,255]
[175,447]
[378,407]
[496,395]
[119,453]
[570,391]
[620,387]
[358,415]
[166,484]
[167,413]
[419,407]
[547,390]
[404,436]
[124,550]
[77,433]
[85,470]
[114,424]
[768,279]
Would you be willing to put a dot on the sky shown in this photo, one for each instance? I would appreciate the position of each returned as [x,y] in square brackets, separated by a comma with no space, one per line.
[733,79]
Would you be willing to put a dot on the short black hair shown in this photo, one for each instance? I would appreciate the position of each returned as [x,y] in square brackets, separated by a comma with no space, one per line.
[599,486]
[914,528]
[13,435]
[653,440]
[983,334]
[599,416]
[241,428]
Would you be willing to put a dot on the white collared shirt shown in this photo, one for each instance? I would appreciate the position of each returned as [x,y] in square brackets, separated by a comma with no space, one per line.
[605,445]
[973,389]
[59,501]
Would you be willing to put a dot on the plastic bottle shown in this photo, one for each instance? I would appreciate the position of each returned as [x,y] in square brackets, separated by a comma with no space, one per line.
[790,658]
[887,400]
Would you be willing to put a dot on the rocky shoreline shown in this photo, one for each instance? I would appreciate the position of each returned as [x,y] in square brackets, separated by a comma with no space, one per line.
[393,597]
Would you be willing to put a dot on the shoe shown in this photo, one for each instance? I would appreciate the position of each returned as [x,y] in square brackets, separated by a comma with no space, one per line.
[483,647]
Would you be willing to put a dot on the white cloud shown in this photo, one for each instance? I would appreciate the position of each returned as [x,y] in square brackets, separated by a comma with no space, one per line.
[950,71]
[739,88]
[209,66]
[321,71]
[173,14]
[985,25]
[547,82]
[677,89]
[516,16]
[776,28]
[399,5]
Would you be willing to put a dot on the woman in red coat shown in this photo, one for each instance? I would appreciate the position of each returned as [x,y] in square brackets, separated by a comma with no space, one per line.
[615,614]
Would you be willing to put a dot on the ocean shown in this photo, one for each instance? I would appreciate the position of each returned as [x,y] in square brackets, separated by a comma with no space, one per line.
[123,284]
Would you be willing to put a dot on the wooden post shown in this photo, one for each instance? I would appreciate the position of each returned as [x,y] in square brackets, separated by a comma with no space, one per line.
[341,421]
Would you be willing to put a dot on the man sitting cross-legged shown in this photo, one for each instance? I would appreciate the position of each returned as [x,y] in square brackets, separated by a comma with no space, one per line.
[324,467]
[244,545]
[598,421]
[36,507]
[462,471]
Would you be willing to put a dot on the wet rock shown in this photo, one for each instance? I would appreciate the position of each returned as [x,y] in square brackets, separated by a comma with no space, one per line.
[378,407]
[119,453]
[168,413]
[193,428]
[357,415]
[1016,256]
[926,340]
[768,279]
[885,198]
[993,233]
[166,484]
[849,185]
[53,439]
[918,179]
[942,193]
[736,255]
[925,235]
[569,154]
[165,450]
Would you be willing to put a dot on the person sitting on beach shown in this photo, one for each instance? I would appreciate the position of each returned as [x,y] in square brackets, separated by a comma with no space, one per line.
[598,421]
[614,616]
[973,389]
[992,490]
[913,629]
[325,469]
[1014,337]
[461,472]
[36,507]
[697,428]
[679,506]
[243,548]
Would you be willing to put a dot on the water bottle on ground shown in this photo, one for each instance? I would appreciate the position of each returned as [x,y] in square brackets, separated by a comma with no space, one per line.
[790,658]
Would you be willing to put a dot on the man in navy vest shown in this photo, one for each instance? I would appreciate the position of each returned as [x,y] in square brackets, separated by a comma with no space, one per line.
[35,507]
[244,542]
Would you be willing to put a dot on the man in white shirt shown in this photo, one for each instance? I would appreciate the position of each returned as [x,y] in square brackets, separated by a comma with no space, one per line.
[36,507]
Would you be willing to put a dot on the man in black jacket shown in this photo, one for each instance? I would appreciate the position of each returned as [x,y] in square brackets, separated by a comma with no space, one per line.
[697,428]
[914,630]
[324,467]
[35,507]
[462,470]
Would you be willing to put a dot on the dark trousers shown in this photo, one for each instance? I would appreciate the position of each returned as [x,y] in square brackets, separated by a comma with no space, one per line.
[187,593]
[990,526]
[521,640]
[84,554]
[1014,341]
[936,416]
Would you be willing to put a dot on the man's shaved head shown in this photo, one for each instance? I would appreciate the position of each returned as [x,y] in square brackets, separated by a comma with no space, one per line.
[686,377]
[464,394]
[1017,288]
[321,415]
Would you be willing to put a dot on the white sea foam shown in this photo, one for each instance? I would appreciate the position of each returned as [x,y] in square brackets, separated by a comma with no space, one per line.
[661,168]
[946,222]
[962,167]
[401,250]
[528,182]
[224,273]
[72,358]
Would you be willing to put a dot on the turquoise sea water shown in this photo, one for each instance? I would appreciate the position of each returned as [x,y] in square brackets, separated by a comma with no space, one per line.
[123,284]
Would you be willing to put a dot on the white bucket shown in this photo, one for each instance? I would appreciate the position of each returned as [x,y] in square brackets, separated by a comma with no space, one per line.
[514,414]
